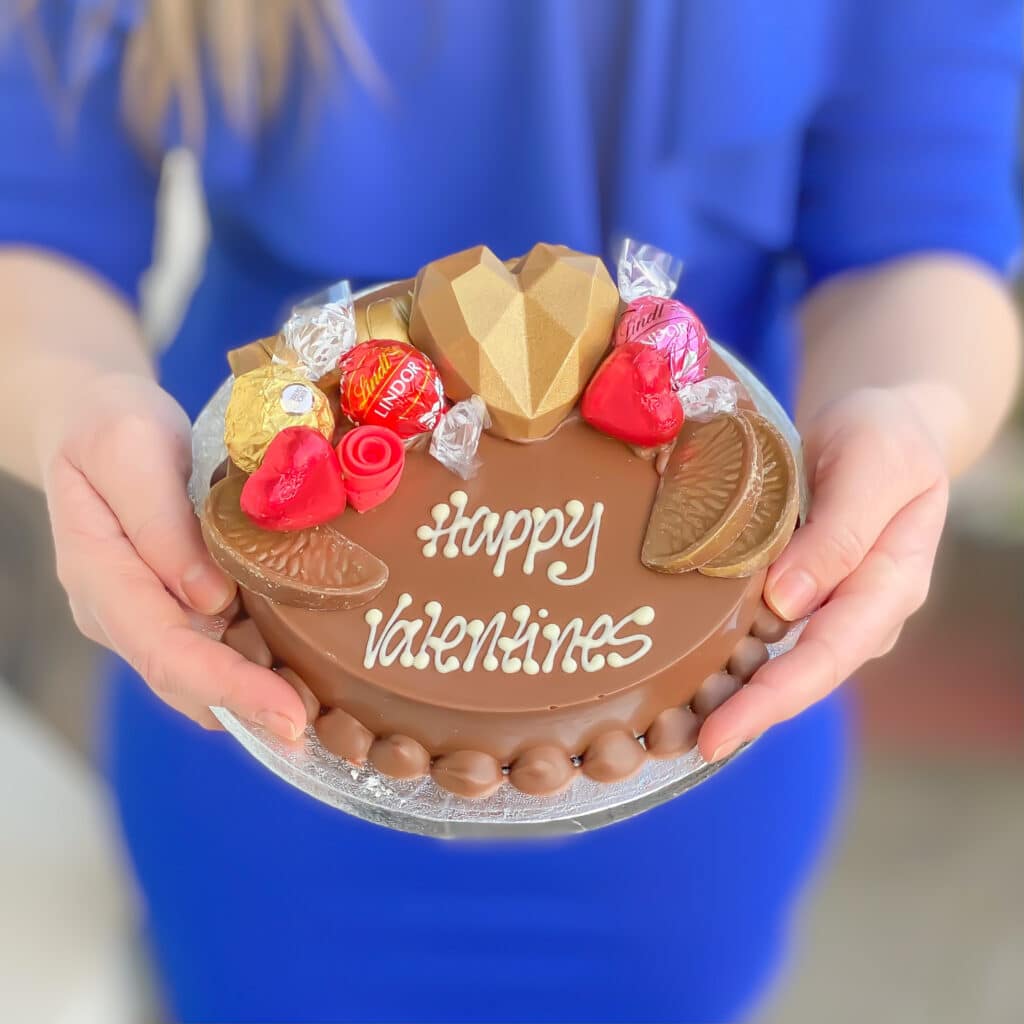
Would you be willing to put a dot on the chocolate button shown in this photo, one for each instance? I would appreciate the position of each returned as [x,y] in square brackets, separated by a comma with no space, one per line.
[343,735]
[309,698]
[767,626]
[244,637]
[714,692]
[672,733]
[614,755]
[468,773]
[542,770]
[750,654]
[401,757]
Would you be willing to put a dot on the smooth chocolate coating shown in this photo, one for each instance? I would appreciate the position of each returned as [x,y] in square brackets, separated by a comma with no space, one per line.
[468,773]
[672,733]
[243,636]
[309,698]
[767,626]
[749,656]
[494,718]
[401,757]
[614,755]
[541,771]
[343,735]
[714,692]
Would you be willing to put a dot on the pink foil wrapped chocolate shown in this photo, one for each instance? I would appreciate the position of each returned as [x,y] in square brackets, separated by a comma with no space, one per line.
[647,277]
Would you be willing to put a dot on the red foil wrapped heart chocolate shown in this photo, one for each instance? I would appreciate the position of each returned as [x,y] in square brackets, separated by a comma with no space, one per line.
[631,397]
[298,484]
[372,459]
[391,384]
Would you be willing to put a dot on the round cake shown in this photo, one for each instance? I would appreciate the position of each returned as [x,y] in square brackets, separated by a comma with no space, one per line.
[577,604]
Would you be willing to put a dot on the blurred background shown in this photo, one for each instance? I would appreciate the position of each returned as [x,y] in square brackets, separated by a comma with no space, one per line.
[917,917]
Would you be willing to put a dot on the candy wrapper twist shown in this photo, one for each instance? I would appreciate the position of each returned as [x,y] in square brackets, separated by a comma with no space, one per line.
[647,278]
[713,396]
[321,329]
[456,438]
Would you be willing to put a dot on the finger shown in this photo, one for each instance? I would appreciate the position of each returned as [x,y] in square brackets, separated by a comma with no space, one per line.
[890,584]
[150,629]
[855,495]
[892,640]
[140,468]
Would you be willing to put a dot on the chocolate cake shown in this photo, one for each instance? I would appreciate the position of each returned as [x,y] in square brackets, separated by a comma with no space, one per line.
[565,601]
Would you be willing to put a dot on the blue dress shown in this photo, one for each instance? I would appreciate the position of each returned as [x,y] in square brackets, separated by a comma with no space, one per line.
[771,146]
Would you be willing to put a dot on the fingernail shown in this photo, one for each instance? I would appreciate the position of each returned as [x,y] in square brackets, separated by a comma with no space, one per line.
[278,724]
[726,749]
[207,590]
[792,594]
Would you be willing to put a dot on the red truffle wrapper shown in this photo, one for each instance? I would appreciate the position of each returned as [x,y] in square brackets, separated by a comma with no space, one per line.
[631,397]
[298,484]
[391,384]
[372,459]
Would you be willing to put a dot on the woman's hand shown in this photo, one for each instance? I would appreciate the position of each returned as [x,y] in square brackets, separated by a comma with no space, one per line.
[132,560]
[861,564]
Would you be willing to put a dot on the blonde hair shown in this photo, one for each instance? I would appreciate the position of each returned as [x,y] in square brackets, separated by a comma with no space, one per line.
[252,46]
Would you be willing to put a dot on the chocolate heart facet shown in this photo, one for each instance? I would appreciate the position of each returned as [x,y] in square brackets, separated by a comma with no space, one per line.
[298,485]
[525,336]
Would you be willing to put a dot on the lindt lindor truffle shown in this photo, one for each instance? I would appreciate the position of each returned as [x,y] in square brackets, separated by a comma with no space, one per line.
[318,569]
[525,338]
[391,384]
[706,496]
[265,401]
[298,484]
[631,398]
[321,329]
[456,438]
[648,276]
[774,517]
[372,459]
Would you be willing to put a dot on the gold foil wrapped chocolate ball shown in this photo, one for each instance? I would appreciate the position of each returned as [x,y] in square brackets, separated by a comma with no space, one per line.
[263,402]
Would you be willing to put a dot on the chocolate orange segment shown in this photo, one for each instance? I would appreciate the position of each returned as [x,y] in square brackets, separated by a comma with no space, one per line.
[774,518]
[707,494]
[319,568]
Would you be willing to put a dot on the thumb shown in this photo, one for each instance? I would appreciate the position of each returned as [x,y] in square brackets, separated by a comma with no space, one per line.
[854,497]
[140,468]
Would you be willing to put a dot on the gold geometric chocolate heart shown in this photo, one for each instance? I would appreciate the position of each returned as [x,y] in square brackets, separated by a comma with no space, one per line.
[706,496]
[774,518]
[525,337]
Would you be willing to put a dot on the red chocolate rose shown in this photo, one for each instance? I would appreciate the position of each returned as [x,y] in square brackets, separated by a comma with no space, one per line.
[372,459]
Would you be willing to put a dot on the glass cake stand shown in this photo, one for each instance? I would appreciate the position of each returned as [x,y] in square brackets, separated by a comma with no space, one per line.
[419,805]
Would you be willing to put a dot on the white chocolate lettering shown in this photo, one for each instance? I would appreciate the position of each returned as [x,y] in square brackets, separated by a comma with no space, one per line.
[569,648]
[537,530]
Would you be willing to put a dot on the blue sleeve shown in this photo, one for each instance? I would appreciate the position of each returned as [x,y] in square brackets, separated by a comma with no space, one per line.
[915,147]
[74,184]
